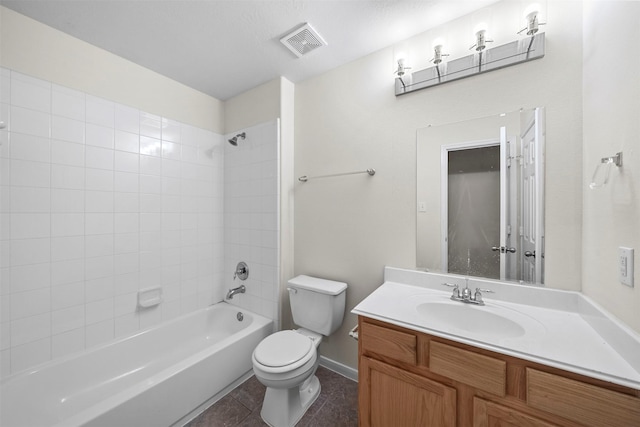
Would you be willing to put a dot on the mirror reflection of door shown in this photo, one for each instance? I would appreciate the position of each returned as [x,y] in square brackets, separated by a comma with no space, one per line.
[473,209]
[515,133]
[532,199]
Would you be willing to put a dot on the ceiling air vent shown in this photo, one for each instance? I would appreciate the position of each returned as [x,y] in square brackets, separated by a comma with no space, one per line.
[303,40]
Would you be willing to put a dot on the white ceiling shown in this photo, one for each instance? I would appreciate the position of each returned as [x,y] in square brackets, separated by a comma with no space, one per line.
[225,47]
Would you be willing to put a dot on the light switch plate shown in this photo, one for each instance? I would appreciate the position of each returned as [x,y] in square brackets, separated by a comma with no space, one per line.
[625,266]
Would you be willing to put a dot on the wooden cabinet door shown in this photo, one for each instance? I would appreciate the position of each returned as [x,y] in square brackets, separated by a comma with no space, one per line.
[392,397]
[489,414]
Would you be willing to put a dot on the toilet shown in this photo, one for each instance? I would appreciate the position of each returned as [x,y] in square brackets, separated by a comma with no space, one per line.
[286,361]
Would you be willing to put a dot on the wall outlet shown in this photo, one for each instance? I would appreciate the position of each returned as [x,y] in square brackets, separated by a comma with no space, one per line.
[625,266]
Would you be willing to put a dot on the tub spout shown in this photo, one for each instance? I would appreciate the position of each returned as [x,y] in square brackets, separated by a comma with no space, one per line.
[239,290]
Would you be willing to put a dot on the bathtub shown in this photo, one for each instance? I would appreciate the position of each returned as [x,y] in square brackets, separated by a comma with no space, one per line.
[155,377]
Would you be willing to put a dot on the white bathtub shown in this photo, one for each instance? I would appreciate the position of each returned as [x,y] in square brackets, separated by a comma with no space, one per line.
[153,378]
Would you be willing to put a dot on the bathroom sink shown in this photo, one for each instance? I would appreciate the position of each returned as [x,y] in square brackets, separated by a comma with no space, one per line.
[484,320]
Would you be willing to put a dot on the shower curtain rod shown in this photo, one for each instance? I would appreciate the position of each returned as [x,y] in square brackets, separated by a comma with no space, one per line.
[306,178]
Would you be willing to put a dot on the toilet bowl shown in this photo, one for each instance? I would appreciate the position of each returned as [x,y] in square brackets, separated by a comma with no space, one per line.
[286,361]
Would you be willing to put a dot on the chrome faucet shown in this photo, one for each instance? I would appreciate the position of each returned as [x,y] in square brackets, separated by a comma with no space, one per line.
[239,290]
[465,295]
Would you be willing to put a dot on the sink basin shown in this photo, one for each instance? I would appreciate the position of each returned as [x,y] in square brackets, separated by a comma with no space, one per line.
[482,320]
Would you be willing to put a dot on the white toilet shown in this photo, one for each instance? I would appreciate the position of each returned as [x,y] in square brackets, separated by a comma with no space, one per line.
[286,361]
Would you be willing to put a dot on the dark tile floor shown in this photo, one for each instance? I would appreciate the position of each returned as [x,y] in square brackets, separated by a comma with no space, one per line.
[337,405]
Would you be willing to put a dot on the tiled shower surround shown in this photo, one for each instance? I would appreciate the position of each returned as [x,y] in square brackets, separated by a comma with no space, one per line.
[99,200]
[251,217]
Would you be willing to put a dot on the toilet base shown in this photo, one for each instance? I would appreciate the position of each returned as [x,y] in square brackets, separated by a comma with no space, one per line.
[285,407]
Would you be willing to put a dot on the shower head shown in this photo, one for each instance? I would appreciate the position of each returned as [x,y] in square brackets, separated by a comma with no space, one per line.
[234,141]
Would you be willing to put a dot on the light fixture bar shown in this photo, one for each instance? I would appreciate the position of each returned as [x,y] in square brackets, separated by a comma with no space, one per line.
[506,55]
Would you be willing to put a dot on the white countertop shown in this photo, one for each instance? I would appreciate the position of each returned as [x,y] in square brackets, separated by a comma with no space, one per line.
[573,334]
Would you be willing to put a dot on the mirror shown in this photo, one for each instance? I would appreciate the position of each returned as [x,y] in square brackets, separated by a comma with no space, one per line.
[480,197]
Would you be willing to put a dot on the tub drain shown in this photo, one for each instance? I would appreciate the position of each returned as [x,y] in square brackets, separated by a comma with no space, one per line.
[240,316]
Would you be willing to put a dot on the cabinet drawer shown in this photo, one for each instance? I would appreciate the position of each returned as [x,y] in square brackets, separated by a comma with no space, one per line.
[397,345]
[584,403]
[489,414]
[482,372]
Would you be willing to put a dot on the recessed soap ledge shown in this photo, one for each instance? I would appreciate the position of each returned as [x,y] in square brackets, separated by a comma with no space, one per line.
[580,335]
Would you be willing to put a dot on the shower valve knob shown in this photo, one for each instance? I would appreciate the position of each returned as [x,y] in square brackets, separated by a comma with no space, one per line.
[242,271]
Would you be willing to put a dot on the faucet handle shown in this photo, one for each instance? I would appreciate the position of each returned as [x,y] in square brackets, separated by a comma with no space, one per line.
[456,291]
[478,294]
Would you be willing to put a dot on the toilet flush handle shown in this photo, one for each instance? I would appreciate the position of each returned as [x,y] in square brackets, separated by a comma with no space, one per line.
[292,290]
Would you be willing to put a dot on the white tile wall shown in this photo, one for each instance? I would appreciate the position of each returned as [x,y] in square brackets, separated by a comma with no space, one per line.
[251,191]
[98,200]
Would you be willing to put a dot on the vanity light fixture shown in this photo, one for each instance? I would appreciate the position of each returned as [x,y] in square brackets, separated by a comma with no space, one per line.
[482,60]
[531,16]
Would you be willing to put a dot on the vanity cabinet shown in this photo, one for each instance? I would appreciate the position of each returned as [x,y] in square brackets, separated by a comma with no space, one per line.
[409,378]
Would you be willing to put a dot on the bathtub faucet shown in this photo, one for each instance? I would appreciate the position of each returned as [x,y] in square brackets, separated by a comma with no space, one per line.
[239,290]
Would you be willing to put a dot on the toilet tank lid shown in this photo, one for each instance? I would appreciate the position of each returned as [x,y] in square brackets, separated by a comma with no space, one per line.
[330,287]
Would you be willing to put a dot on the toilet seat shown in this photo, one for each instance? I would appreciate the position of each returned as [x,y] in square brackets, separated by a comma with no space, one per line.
[284,351]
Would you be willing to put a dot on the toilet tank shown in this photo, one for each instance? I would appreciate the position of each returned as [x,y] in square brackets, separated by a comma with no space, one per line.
[317,304]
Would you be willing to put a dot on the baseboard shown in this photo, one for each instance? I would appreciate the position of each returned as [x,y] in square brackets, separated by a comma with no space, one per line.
[337,367]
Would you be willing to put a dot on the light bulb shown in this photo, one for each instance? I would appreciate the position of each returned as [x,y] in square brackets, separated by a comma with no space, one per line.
[532,9]
[480,28]
[480,32]
[438,48]
[402,68]
[439,42]
[531,15]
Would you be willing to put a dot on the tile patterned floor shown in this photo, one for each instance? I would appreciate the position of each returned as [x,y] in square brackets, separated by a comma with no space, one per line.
[337,405]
